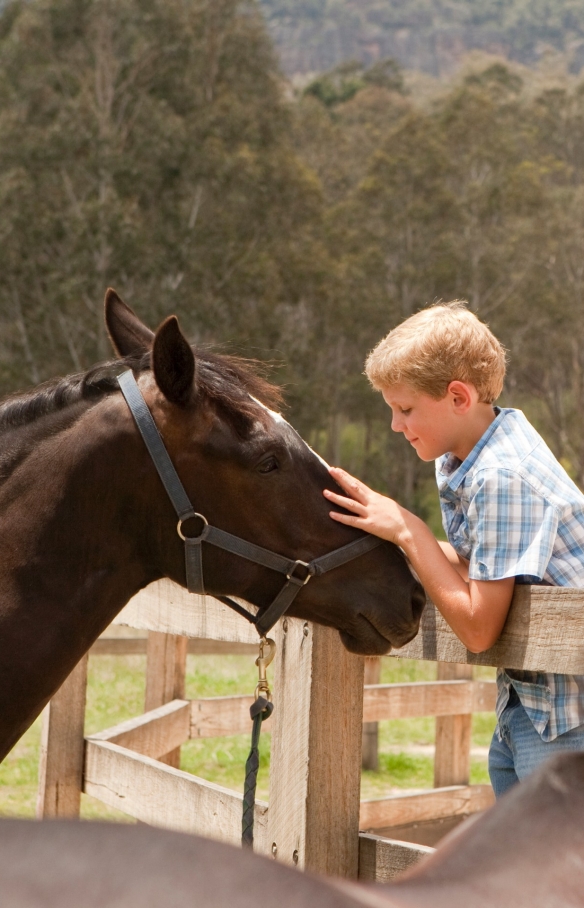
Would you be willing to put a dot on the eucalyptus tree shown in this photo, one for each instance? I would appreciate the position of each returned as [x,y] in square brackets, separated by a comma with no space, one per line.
[146,144]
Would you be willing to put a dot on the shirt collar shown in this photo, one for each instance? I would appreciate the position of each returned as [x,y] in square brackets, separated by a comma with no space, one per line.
[452,471]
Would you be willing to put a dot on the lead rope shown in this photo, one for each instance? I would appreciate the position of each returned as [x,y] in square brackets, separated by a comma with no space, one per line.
[260,710]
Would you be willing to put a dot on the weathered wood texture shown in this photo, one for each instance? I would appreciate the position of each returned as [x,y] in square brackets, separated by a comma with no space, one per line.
[427,698]
[154,733]
[166,607]
[164,796]
[544,632]
[136,646]
[212,717]
[453,733]
[62,745]
[381,859]
[370,746]
[316,750]
[166,660]
[218,716]
[432,804]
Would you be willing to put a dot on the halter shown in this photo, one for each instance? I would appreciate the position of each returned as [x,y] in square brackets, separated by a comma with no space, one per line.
[297,572]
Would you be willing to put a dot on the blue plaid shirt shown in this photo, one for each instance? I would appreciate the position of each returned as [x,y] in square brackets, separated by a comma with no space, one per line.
[512,510]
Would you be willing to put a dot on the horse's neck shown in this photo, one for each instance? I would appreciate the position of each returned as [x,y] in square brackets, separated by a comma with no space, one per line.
[68,557]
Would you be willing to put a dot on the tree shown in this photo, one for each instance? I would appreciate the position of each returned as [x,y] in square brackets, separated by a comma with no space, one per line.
[145,144]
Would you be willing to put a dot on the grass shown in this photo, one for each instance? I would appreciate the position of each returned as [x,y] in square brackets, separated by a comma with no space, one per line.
[116,692]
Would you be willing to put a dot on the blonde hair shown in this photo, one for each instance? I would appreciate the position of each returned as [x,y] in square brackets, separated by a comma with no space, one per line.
[437,345]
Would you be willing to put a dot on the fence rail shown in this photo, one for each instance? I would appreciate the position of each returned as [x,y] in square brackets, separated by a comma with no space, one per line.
[314,813]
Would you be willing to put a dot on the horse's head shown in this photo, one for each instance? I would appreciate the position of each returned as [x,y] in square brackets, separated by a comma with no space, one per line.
[247,470]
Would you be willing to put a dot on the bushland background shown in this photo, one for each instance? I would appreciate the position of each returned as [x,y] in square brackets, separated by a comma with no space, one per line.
[293,178]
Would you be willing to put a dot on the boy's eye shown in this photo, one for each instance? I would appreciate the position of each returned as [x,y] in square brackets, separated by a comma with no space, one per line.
[407,411]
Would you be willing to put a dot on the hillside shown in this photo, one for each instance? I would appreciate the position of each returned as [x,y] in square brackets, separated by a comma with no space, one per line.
[429,35]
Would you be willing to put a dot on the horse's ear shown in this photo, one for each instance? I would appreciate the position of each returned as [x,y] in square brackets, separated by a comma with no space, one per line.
[173,363]
[128,334]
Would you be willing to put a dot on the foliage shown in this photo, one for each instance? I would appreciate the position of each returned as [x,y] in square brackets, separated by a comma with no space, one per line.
[430,35]
[144,144]
[344,81]
[150,145]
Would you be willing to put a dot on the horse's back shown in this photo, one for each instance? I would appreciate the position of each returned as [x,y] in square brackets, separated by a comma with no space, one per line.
[70,864]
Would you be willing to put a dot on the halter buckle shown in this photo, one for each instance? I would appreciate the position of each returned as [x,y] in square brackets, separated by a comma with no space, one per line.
[292,576]
[203,532]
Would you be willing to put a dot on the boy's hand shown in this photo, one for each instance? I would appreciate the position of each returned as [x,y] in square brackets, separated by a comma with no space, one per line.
[370,511]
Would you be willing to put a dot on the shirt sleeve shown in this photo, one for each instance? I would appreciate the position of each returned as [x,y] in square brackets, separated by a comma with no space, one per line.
[512,527]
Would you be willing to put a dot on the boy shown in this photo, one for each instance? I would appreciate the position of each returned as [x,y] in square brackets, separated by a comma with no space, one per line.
[510,511]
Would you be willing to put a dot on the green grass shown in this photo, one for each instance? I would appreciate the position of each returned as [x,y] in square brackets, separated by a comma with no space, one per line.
[116,692]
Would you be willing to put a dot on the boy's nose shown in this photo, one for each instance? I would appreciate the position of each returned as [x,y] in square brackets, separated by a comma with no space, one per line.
[397,424]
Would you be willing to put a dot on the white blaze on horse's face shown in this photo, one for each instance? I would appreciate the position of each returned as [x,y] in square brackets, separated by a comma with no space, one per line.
[277,417]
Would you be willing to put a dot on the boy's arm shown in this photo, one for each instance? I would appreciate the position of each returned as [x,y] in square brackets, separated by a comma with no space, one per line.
[475,610]
[459,563]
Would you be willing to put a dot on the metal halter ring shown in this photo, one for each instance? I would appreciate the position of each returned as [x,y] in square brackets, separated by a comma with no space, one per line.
[291,576]
[203,532]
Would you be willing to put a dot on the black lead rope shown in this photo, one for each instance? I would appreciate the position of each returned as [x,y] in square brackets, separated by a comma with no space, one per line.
[260,710]
[297,574]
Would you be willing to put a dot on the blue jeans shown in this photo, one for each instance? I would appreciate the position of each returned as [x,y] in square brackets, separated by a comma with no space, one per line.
[521,749]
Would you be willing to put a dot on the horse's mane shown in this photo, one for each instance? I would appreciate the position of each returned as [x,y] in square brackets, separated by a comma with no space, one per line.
[230,382]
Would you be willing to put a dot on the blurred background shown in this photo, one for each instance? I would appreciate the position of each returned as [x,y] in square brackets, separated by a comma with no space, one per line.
[293,178]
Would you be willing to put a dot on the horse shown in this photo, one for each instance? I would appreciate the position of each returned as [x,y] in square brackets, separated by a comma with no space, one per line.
[525,852]
[86,522]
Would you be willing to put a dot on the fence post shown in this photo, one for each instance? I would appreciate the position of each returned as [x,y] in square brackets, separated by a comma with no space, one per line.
[370,759]
[166,659]
[62,748]
[313,820]
[453,734]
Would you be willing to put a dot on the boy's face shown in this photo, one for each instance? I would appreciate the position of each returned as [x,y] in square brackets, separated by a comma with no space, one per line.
[431,426]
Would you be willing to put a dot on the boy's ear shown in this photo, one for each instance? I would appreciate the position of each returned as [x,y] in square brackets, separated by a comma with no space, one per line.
[462,395]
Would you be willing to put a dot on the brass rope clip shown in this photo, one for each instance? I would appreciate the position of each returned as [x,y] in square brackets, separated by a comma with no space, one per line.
[262,662]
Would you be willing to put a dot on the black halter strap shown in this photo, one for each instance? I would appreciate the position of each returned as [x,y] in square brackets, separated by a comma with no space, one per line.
[297,572]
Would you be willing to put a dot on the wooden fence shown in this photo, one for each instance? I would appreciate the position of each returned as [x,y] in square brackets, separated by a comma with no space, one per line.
[314,819]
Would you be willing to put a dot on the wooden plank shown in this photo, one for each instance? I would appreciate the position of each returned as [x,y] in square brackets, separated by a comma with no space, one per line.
[370,744]
[136,646]
[61,756]
[428,832]
[452,754]
[543,632]
[212,717]
[168,608]
[382,860]
[166,659]
[216,716]
[315,766]
[153,734]
[164,796]
[431,804]
[427,698]
[119,646]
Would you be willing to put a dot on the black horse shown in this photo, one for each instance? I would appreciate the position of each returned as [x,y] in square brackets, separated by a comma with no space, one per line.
[86,522]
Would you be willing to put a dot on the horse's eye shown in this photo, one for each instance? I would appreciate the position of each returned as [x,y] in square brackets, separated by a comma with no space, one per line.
[267,465]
